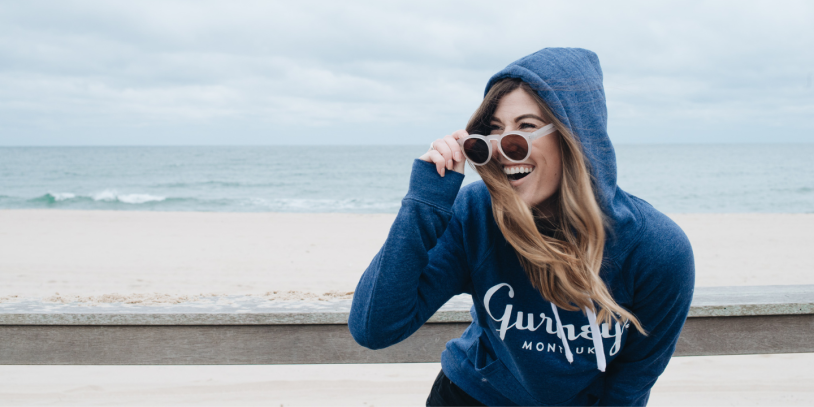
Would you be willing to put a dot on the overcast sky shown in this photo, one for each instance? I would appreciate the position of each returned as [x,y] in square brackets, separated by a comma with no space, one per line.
[384,72]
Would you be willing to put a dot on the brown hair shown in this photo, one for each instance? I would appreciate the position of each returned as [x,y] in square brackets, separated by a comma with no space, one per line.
[563,263]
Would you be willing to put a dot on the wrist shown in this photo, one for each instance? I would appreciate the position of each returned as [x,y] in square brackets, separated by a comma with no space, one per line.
[426,185]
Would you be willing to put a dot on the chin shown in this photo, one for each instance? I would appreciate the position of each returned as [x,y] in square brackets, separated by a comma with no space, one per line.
[542,202]
[533,190]
[531,201]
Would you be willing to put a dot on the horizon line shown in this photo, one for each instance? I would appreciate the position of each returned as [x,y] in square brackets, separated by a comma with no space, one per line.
[380,145]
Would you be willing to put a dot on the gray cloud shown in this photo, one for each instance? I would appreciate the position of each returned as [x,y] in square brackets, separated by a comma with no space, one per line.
[389,72]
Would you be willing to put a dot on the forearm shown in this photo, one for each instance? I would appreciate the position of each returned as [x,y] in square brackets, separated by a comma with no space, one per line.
[392,300]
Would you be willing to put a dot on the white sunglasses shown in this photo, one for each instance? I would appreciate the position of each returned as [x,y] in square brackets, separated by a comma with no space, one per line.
[514,145]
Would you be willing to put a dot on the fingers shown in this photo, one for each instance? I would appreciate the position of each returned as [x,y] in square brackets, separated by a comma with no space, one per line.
[436,158]
[460,134]
[441,146]
[455,149]
[450,149]
[446,154]
[440,162]
[457,152]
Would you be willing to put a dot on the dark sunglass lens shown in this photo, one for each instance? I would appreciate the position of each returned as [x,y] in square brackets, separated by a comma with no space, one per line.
[476,150]
[515,147]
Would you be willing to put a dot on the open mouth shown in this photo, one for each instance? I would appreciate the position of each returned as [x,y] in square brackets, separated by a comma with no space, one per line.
[517,172]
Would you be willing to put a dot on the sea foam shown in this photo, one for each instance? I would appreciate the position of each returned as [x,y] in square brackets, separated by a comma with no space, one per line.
[61,196]
[103,196]
[112,195]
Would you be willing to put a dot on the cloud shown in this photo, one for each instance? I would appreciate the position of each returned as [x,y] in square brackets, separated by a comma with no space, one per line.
[389,72]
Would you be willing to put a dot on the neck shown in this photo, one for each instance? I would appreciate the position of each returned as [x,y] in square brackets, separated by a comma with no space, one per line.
[546,216]
[548,208]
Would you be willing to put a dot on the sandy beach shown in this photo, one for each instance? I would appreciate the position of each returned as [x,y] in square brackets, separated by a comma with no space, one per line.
[102,252]
[92,253]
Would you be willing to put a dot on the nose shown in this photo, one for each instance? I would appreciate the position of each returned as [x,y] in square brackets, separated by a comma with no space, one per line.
[496,154]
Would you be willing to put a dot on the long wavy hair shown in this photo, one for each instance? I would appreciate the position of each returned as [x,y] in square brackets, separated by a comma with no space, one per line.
[560,253]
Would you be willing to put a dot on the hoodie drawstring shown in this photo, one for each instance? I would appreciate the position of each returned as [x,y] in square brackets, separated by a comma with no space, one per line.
[596,335]
[561,334]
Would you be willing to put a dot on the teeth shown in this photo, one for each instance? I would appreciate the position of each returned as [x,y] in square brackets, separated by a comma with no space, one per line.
[516,170]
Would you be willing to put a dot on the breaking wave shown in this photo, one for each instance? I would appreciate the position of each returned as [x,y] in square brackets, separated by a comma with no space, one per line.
[104,196]
[109,195]
[112,200]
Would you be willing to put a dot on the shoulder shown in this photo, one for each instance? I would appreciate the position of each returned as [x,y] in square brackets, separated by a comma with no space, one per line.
[660,235]
[474,191]
[472,212]
[662,257]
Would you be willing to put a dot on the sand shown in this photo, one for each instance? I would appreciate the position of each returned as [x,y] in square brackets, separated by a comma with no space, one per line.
[85,253]
[104,252]
[155,257]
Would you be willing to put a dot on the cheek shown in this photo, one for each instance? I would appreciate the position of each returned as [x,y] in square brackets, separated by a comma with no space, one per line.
[548,157]
[546,153]
[556,176]
[555,161]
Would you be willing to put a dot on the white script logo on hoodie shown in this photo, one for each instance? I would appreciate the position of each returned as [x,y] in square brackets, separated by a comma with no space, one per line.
[568,330]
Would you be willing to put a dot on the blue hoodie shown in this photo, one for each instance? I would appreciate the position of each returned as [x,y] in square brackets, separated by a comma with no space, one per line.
[445,242]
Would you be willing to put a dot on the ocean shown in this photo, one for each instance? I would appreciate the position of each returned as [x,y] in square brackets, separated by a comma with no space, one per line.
[775,178]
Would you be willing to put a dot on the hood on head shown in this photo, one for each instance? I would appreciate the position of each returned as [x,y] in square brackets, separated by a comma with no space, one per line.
[569,80]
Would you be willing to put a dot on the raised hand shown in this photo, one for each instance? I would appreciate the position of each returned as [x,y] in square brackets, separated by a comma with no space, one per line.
[446,153]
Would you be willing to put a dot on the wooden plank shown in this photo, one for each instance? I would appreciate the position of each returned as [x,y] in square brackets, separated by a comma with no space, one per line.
[332,343]
[752,300]
[248,330]
[211,345]
[746,335]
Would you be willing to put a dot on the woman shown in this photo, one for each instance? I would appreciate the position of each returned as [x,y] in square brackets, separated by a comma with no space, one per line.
[580,290]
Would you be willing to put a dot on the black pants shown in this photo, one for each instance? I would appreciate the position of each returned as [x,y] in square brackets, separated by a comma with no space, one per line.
[446,393]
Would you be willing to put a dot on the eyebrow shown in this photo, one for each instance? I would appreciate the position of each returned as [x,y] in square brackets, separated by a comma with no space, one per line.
[521,117]
[529,116]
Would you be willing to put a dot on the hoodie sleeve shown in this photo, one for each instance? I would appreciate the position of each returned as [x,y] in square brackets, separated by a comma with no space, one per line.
[665,279]
[420,267]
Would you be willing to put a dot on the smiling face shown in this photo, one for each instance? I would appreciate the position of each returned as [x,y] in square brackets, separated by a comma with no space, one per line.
[537,178]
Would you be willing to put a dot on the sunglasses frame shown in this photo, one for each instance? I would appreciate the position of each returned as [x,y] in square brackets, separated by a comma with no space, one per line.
[529,137]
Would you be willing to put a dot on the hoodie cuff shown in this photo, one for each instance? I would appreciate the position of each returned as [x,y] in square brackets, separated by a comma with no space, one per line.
[429,187]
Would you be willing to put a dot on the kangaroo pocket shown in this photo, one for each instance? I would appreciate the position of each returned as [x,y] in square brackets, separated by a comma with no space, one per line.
[495,373]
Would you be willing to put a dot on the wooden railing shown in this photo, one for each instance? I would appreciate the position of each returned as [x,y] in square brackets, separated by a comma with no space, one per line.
[252,330]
